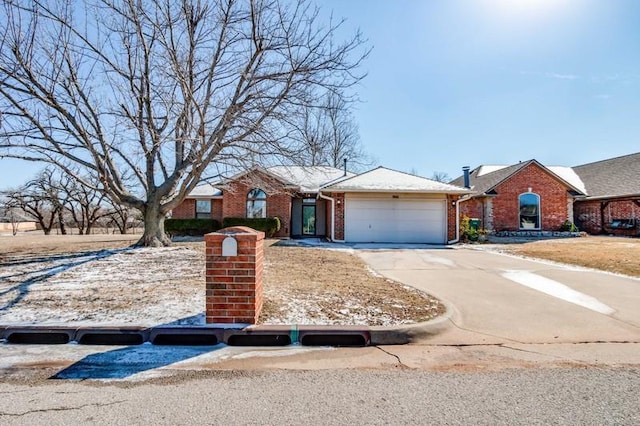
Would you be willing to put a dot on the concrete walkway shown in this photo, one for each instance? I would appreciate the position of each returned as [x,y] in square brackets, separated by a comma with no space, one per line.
[496,298]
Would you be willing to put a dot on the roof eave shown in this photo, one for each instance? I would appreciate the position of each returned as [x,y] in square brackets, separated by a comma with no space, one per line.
[610,197]
[396,190]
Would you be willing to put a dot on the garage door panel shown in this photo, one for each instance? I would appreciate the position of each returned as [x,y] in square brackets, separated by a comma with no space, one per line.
[397,220]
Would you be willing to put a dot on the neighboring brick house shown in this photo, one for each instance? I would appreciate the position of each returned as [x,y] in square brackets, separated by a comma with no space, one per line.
[601,197]
[612,205]
[522,197]
[380,205]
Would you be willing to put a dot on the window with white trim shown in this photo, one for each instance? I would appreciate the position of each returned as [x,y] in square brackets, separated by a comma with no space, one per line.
[203,209]
[529,210]
[256,204]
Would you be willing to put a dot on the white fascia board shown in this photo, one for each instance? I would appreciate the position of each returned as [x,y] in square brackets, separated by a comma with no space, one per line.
[395,191]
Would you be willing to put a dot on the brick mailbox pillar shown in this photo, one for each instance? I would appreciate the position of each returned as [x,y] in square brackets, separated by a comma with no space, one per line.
[234,259]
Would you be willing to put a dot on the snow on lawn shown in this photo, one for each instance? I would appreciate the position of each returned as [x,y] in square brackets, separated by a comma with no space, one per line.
[154,286]
[146,286]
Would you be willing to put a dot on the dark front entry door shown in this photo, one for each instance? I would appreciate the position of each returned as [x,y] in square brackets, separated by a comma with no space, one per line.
[308,220]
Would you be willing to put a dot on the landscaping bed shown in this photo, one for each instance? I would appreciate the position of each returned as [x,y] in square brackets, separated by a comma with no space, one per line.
[98,279]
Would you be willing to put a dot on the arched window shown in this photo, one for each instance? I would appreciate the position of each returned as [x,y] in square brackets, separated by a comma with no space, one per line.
[529,211]
[256,203]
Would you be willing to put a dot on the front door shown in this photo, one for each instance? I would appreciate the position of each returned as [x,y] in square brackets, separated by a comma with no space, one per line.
[308,219]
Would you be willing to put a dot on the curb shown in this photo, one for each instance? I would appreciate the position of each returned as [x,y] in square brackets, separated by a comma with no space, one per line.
[230,334]
[404,334]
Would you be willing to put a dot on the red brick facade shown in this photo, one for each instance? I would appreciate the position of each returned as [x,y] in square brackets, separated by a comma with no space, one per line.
[595,216]
[234,291]
[187,209]
[474,208]
[339,221]
[452,218]
[234,199]
[502,211]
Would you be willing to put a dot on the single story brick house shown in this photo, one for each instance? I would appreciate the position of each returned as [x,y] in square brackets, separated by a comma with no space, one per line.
[601,197]
[381,205]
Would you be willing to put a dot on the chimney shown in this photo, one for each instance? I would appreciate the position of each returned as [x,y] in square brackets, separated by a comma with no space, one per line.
[467,179]
[345,166]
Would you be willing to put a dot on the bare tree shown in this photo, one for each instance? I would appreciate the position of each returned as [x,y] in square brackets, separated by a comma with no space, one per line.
[39,200]
[9,213]
[327,134]
[143,96]
[312,135]
[85,205]
[441,177]
[344,138]
[119,216]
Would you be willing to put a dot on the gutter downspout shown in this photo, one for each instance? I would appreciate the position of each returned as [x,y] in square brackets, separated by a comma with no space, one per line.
[333,214]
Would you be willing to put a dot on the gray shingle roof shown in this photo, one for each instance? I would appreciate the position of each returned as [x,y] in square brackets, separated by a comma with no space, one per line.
[308,178]
[615,177]
[382,179]
[483,183]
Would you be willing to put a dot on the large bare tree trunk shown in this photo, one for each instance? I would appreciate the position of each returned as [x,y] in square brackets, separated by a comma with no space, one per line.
[154,235]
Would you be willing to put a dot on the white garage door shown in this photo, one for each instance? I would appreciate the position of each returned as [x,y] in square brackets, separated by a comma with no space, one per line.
[394,220]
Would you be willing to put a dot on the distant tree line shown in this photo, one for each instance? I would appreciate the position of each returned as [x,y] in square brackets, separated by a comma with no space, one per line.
[56,201]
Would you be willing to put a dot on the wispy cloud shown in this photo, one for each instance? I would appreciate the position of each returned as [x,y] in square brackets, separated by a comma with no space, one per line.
[562,76]
[553,75]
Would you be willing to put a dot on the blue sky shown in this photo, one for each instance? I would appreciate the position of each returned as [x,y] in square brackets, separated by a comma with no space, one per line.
[468,82]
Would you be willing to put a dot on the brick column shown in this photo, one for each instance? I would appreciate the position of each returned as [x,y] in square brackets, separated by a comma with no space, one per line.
[234,282]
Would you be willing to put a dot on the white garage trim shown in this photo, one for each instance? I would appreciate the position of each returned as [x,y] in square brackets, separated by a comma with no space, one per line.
[395,218]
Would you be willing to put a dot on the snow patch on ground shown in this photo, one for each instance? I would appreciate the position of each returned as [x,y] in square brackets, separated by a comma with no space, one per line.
[146,286]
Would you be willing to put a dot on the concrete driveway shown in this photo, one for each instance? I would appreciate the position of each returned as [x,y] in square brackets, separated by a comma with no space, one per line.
[495,298]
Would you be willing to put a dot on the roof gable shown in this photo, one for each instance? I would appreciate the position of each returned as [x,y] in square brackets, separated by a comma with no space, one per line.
[484,179]
[382,179]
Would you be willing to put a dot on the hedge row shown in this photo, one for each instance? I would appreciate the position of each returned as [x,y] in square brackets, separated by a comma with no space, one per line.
[199,227]
[191,227]
[268,225]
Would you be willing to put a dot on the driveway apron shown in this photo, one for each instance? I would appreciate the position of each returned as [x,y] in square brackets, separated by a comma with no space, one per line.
[494,298]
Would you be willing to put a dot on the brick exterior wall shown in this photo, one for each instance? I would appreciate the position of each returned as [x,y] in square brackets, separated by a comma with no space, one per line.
[505,206]
[234,292]
[593,216]
[234,201]
[339,221]
[473,209]
[451,217]
[187,209]
[278,199]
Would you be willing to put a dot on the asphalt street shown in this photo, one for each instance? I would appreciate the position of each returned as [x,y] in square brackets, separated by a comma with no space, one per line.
[337,397]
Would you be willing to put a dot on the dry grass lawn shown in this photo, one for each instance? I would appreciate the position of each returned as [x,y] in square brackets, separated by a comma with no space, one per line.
[613,254]
[302,285]
[332,286]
